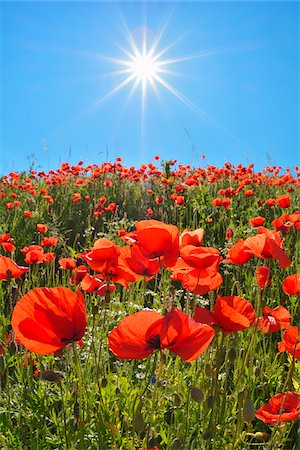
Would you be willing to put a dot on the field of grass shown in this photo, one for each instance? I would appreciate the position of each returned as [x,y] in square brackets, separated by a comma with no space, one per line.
[67,384]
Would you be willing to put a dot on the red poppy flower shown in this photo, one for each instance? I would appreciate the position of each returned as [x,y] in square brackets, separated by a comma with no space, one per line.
[283,201]
[239,253]
[263,277]
[274,319]
[280,408]
[267,244]
[78,274]
[290,342]
[291,284]
[49,241]
[67,263]
[9,269]
[231,313]
[140,334]
[41,228]
[191,237]
[103,254]
[257,221]
[94,284]
[197,269]
[138,263]
[229,233]
[34,254]
[47,319]
[156,239]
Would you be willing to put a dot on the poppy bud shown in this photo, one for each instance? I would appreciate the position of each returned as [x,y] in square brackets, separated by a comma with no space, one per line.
[232,354]
[207,435]
[208,370]
[210,400]
[50,375]
[248,411]
[197,395]
[138,423]
[177,400]
[169,417]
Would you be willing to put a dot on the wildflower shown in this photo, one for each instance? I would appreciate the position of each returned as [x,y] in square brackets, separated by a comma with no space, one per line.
[290,342]
[191,238]
[263,277]
[156,239]
[140,334]
[231,313]
[257,221]
[283,201]
[291,284]
[280,408]
[67,263]
[47,319]
[49,241]
[274,319]
[41,228]
[9,269]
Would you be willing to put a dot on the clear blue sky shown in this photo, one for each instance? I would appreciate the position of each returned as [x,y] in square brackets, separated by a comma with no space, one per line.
[242,98]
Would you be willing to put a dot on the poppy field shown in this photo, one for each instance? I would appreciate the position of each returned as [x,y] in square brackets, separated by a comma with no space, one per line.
[150,308]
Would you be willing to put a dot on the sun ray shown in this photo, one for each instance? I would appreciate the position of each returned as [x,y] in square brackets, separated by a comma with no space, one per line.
[143,65]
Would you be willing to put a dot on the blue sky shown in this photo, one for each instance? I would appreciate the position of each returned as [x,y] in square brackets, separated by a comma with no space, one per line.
[239,84]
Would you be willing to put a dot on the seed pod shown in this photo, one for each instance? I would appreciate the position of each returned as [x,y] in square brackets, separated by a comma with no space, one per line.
[169,417]
[257,371]
[197,395]
[248,411]
[177,400]
[208,370]
[13,348]
[207,435]
[232,354]
[209,401]
[138,423]
[50,375]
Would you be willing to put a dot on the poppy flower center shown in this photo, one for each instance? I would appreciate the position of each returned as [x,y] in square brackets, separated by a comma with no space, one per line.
[154,341]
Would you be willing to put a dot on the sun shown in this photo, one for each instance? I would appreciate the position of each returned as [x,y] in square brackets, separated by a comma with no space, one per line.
[144,67]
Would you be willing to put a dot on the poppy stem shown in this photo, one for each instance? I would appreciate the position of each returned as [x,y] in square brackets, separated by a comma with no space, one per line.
[79,384]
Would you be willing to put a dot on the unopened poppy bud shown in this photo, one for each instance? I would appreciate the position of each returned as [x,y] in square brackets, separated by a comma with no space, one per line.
[177,400]
[207,435]
[169,417]
[248,411]
[197,395]
[261,436]
[76,410]
[210,400]
[50,375]
[208,370]
[232,354]
[257,371]
[104,382]
[13,348]
[138,423]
